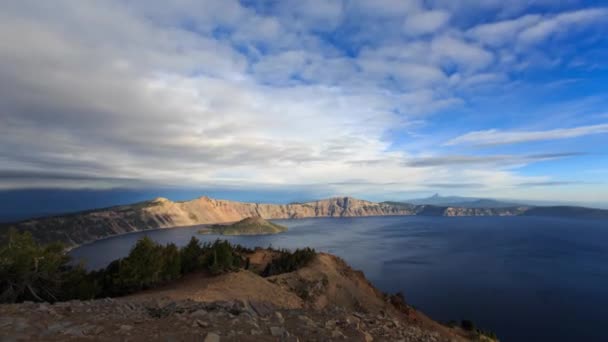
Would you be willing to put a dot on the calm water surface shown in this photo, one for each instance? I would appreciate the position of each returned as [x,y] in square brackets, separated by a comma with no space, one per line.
[526,278]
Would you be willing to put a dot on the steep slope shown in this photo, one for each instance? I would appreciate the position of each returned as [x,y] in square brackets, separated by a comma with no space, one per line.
[324,301]
[326,285]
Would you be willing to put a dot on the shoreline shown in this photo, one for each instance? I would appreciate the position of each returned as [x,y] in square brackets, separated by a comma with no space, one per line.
[203,225]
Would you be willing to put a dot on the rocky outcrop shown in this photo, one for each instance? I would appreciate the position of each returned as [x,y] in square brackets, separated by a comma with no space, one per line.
[323,301]
[185,320]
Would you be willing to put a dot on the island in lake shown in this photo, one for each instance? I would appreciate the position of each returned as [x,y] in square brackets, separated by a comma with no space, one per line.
[247,226]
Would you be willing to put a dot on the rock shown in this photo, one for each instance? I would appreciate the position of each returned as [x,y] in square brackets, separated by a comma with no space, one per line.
[5,321]
[201,324]
[330,324]
[126,328]
[77,331]
[262,308]
[212,337]
[337,334]
[367,336]
[279,317]
[57,327]
[306,320]
[358,315]
[277,331]
[20,324]
[95,330]
[198,313]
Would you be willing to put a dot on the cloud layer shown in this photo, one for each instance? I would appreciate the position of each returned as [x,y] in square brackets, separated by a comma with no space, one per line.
[229,93]
[498,137]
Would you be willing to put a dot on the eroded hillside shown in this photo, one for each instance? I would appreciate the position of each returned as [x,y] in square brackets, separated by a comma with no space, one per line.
[324,301]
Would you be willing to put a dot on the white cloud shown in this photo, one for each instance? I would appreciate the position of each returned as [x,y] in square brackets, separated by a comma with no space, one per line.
[426,22]
[498,137]
[385,8]
[196,93]
[563,22]
[466,55]
[499,33]
[533,28]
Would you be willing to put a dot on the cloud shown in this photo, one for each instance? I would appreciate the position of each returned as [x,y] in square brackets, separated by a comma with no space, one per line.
[460,52]
[533,28]
[426,22]
[497,160]
[499,33]
[498,137]
[454,185]
[562,22]
[550,183]
[243,94]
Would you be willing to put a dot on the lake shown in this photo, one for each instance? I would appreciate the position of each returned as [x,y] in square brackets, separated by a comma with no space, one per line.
[525,278]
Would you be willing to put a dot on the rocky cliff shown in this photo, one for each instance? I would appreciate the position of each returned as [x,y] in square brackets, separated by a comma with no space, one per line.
[78,228]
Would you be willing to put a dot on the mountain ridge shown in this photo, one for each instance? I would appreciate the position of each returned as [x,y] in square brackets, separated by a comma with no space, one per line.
[82,227]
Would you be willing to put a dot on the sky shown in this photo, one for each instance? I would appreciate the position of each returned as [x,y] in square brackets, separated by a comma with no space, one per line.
[293,100]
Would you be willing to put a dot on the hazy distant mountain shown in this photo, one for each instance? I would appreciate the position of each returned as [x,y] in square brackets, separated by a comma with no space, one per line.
[462,202]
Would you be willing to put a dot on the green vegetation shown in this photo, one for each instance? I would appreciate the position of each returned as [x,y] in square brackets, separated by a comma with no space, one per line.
[469,326]
[289,261]
[35,272]
[29,271]
[247,226]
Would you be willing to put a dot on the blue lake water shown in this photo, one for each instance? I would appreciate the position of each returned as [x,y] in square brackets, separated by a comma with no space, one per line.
[525,278]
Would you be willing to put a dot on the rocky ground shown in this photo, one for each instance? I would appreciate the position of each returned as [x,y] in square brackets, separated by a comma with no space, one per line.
[323,301]
[186,320]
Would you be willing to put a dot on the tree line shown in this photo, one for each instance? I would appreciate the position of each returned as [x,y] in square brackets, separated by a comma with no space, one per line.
[30,271]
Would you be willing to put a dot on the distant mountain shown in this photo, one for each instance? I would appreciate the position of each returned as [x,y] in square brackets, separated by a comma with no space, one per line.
[463,202]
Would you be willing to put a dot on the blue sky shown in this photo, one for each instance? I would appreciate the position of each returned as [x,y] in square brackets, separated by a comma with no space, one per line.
[280,100]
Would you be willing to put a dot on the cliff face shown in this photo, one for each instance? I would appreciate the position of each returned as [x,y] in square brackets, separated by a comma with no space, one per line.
[83,227]
[79,228]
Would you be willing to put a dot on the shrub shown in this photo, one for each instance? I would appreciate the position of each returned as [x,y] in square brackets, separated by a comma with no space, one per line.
[143,267]
[289,262]
[29,271]
[191,255]
[467,325]
[80,284]
[172,267]
[221,258]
